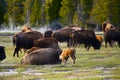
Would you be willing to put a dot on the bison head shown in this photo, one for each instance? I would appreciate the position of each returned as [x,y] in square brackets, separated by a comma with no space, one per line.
[96,44]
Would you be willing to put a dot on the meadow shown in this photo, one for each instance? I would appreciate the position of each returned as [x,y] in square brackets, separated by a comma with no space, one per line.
[103,64]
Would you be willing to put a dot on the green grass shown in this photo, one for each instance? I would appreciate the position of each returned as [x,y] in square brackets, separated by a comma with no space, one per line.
[90,65]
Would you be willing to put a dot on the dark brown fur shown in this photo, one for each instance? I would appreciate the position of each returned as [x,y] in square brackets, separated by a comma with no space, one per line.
[25,40]
[86,37]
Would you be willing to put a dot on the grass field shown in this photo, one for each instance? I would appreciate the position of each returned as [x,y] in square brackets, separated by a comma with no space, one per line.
[103,64]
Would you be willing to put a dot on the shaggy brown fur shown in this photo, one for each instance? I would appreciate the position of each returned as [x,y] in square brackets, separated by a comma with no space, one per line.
[66,53]
[99,38]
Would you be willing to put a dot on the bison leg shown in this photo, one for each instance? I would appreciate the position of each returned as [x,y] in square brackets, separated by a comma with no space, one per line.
[65,60]
[73,58]
[106,43]
[87,46]
[110,42]
[119,44]
[16,52]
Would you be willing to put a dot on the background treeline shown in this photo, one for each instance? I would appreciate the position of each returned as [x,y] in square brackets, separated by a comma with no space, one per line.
[37,13]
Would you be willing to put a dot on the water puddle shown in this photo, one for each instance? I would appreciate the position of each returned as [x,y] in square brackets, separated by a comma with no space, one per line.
[8,72]
[33,72]
[61,71]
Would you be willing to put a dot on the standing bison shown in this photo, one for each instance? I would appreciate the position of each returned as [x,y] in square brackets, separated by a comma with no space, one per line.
[86,37]
[66,53]
[112,35]
[2,53]
[63,35]
[42,56]
[25,40]
[46,43]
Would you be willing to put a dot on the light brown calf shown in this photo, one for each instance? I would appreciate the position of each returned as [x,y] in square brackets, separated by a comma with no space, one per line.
[66,53]
[32,49]
[99,38]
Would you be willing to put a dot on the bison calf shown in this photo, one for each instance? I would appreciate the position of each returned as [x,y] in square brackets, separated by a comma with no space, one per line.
[66,53]
[32,49]
[99,38]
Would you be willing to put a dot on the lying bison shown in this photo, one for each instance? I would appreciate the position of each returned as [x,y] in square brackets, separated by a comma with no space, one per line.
[42,56]
[112,35]
[86,37]
[25,40]
[2,53]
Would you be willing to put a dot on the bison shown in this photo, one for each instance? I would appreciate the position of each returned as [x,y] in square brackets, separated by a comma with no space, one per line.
[112,35]
[66,53]
[25,40]
[46,43]
[42,56]
[2,53]
[63,35]
[86,37]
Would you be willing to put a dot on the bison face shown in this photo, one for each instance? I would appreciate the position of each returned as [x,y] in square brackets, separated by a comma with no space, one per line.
[96,44]
[2,53]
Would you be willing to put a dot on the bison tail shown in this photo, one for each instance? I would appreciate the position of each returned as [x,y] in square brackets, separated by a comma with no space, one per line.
[14,41]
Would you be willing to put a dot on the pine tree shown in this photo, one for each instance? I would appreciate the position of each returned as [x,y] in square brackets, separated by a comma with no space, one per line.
[36,13]
[87,6]
[100,11]
[14,12]
[114,12]
[67,11]
[27,11]
[53,7]
[2,11]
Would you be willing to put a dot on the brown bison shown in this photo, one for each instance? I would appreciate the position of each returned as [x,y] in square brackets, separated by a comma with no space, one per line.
[2,53]
[86,37]
[46,43]
[25,40]
[63,35]
[42,56]
[112,35]
[66,53]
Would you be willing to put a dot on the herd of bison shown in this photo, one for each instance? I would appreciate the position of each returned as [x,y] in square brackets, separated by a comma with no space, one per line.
[44,48]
